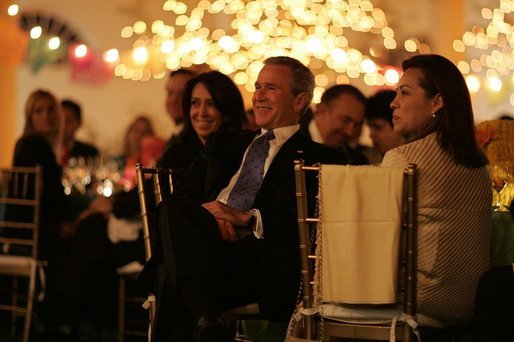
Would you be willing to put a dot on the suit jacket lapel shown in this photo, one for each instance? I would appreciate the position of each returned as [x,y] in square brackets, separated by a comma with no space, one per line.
[225,157]
[282,164]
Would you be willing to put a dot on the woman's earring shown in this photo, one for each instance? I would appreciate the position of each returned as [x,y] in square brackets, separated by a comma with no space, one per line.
[433,114]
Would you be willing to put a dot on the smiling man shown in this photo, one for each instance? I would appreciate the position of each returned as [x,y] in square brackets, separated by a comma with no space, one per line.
[338,121]
[241,245]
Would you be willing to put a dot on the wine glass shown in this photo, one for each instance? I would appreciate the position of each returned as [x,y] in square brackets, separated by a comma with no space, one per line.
[500,176]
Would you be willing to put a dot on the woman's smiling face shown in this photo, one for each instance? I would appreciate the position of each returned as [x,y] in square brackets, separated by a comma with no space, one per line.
[205,117]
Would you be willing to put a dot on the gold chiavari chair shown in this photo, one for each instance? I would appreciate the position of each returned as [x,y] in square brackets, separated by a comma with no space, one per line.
[317,317]
[20,200]
[162,186]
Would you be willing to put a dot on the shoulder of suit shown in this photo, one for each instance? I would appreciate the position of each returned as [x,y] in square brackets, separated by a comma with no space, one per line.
[85,146]
[314,152]
[225,138]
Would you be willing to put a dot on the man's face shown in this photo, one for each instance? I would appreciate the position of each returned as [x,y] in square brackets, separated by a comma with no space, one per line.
[175,90]
[340,120]
[383,135]
[274,104]
[71,124]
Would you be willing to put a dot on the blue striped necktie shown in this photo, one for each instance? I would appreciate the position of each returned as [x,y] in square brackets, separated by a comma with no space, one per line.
[243,194]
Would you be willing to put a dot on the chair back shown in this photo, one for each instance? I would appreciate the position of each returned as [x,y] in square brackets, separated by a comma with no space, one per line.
[340,243]
[161,185]
[20,200]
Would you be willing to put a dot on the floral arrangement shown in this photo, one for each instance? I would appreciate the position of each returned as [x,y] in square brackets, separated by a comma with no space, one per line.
[496,137]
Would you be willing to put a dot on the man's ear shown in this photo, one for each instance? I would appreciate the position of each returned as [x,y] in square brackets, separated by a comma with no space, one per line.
[301,101]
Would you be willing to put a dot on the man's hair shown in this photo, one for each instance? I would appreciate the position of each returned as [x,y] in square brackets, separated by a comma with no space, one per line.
[182,71]
[378,106]
[340,89]
[74,107]
[302,80]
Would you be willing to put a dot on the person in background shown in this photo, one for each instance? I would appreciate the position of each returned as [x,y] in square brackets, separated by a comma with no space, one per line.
[249,122]
[174,93]
[73,148]
[337,119]
[379,118]
[140,128]
[40,144]
[432,111]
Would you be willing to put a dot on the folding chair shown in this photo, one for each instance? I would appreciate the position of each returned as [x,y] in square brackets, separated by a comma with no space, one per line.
[20,200]
[386,316]
[160,177]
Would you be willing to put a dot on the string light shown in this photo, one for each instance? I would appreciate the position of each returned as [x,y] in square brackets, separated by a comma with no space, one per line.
[494,45]
[13,9]
[311,31]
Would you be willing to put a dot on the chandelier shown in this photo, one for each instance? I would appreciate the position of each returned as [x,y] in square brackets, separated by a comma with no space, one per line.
[493,48]
[316,32]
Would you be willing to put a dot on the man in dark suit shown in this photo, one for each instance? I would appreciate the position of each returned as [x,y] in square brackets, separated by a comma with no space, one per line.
[223,254]
[337,121]
[72,122]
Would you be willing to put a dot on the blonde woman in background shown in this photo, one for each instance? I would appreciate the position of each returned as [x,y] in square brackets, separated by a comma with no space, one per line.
[40,144]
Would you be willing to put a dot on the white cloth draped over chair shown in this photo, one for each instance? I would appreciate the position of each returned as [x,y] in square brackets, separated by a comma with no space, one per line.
[360,217]
[364,246]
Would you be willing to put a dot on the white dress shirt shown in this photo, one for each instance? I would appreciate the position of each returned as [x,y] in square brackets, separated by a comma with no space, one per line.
[282,134]
[314,132]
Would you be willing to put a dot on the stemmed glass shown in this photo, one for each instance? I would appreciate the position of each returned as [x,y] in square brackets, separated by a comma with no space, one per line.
[76,176]
[500,176]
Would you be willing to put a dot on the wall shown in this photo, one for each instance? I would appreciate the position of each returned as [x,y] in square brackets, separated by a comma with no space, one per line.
[109,108]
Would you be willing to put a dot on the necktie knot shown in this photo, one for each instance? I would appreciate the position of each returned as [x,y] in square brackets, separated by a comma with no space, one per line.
[269,135]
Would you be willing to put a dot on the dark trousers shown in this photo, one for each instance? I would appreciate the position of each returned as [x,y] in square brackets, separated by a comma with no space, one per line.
[204,274]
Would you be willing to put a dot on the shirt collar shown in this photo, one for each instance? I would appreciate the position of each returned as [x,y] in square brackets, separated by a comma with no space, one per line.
[314,132]
[282,134]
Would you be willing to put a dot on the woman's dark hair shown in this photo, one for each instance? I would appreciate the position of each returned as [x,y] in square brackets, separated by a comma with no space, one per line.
[453,123]
[225,95]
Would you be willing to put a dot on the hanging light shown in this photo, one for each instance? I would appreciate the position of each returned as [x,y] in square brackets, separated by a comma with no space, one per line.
[308,30]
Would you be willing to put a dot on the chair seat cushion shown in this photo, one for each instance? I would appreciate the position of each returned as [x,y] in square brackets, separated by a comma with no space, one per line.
[249,309]
[359,313]
[134,267]
[371,314]
[16,261]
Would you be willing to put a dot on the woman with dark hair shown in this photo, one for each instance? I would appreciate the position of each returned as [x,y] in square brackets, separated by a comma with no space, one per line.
[432,110]
[212,103]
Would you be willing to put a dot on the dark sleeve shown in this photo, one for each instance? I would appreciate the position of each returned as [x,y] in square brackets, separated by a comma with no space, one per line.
[126,204]
[31,151]
[281,210]
[81,149]
[184,155]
